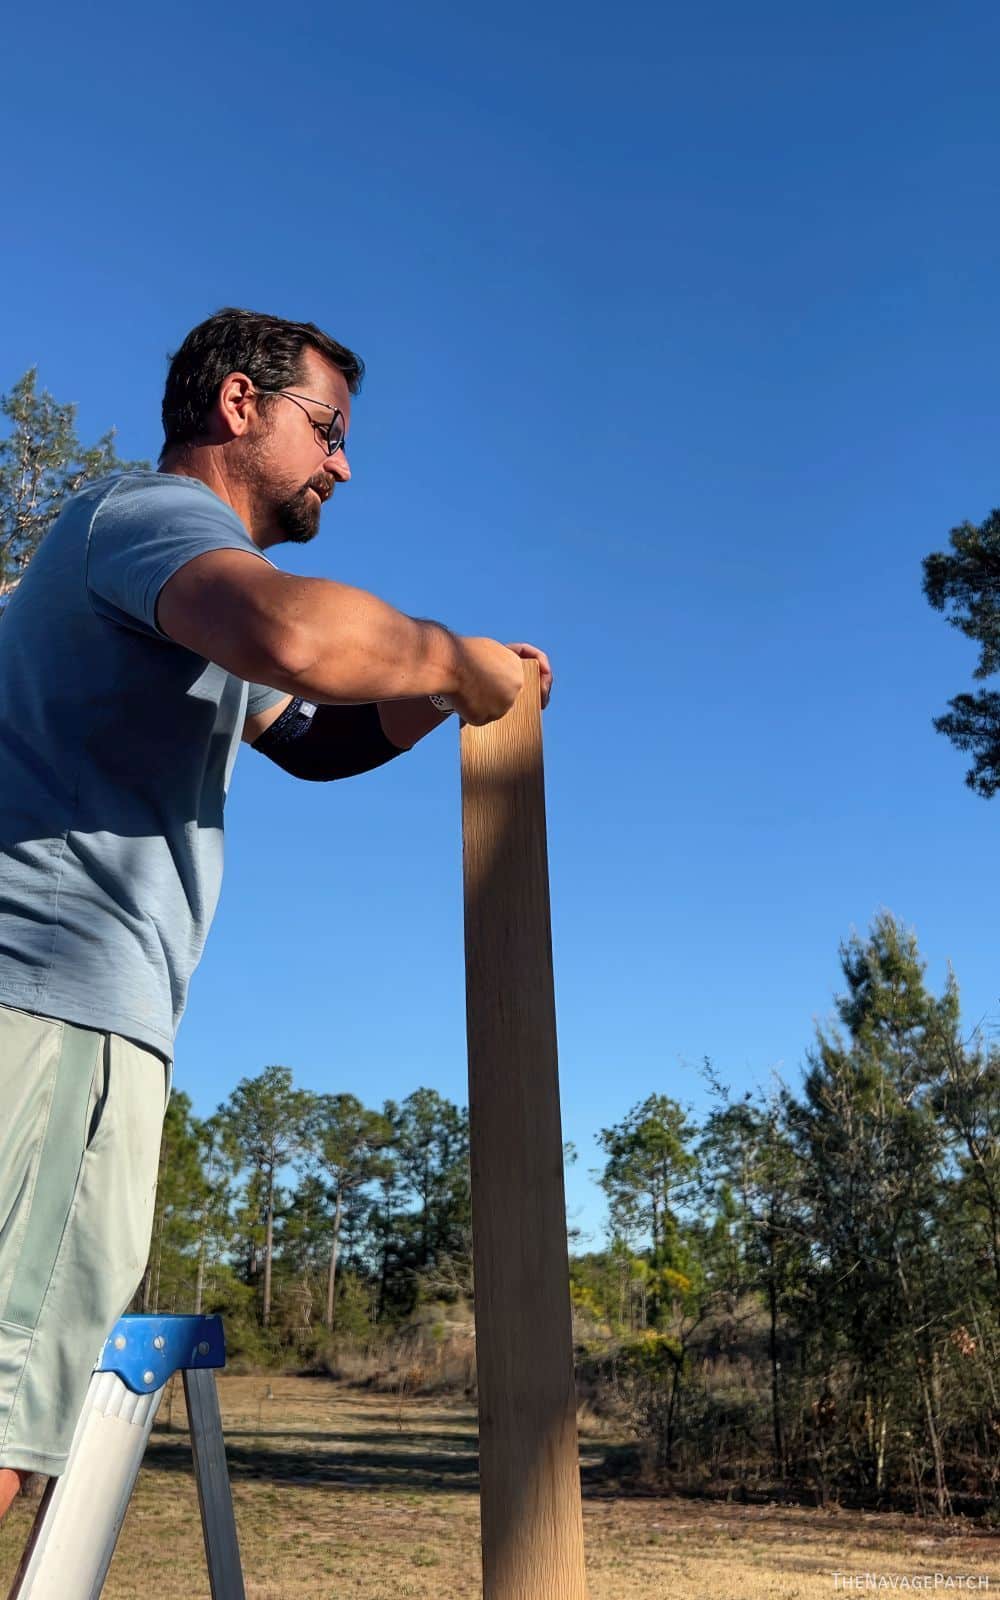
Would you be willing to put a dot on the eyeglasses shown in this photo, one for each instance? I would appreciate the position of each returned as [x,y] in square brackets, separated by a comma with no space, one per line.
[331,434]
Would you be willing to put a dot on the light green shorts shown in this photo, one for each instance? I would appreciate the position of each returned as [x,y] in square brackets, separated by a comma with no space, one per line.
[80,1120]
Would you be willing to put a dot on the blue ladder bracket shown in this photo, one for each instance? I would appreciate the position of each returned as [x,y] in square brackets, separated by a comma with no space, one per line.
[145,1351]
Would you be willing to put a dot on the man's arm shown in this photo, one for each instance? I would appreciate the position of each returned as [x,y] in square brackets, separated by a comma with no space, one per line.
[328,642]
[321,743]
[403,721]
[323,640]
[254,726]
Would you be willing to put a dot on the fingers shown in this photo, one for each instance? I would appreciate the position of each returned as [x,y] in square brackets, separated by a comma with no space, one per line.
[530,652]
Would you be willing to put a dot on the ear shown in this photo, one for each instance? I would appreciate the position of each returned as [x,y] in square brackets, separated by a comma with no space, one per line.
[236,405]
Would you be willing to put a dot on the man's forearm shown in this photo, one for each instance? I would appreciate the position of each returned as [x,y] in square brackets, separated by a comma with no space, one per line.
[321,743]
[406,721]
[326,742]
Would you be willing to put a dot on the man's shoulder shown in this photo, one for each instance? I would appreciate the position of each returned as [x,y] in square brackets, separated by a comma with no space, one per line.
[149,491]
[147,495]
[144,506]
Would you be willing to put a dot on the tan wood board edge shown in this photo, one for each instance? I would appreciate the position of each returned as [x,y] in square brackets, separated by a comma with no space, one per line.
[532,1526]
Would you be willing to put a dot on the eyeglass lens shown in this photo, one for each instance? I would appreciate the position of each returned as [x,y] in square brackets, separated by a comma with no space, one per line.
[335,434]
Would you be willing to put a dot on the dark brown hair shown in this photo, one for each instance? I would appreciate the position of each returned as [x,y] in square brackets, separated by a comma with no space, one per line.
[268,349]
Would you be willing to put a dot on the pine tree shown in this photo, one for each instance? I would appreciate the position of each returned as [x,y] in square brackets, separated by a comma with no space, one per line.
[349,1144]
[964,583]
[750,1155]
[432,1153]
[646,1178]
[268,1121]
[42,463]
[873,1153]
[219,1161]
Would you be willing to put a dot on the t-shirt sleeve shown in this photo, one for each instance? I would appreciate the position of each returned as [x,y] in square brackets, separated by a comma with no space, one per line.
[261,698]
[143,533]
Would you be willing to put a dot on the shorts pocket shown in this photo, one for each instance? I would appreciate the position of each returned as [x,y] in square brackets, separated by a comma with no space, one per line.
[100,1089]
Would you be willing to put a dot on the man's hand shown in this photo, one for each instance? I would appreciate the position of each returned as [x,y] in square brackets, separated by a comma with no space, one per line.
[529,652]
[490,679]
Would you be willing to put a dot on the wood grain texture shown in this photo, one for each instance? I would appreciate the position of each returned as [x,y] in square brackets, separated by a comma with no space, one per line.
[529,1464]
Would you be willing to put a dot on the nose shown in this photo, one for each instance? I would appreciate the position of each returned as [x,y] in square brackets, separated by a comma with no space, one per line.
[339,466]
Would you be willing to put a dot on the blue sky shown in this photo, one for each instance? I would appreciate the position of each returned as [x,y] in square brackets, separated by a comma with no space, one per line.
[681,331]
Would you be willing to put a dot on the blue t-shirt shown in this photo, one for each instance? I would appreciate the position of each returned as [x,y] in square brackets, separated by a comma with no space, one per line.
[116,749]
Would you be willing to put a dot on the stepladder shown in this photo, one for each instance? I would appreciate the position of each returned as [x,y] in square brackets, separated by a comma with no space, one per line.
[79,1519]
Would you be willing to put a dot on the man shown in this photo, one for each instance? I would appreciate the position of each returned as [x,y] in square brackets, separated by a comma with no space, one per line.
[150,634]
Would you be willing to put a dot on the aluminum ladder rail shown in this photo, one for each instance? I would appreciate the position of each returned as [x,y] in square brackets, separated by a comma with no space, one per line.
[75,1532]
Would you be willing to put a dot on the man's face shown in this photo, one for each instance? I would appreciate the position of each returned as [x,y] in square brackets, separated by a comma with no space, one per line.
[287,464]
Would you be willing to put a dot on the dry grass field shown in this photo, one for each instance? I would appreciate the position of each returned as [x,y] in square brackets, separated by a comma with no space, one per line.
[341,1493]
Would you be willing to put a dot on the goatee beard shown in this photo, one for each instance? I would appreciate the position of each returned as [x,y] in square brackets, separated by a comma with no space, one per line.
[297,518]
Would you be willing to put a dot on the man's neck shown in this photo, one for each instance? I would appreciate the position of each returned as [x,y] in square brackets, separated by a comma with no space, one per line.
[203,463]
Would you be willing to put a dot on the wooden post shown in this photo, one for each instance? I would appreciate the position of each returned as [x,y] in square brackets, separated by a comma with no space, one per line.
[531,1513]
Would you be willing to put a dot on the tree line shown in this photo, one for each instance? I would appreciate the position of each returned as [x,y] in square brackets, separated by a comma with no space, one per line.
[264,1209]
[817,1298]
[801,1286]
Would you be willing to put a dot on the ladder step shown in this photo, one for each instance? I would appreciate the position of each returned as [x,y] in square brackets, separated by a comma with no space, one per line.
[75,1532]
